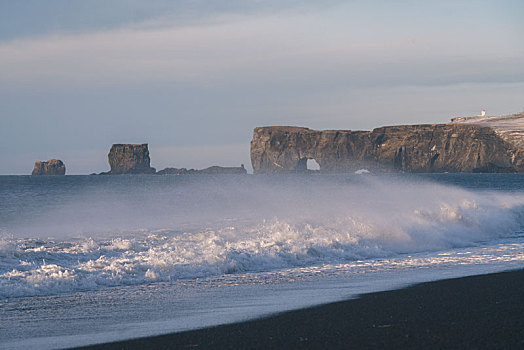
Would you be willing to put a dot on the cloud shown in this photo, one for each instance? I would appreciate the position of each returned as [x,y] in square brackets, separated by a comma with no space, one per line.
[291,50]
[38,18]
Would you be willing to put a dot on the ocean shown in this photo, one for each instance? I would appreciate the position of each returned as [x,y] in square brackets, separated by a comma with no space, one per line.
[90,259]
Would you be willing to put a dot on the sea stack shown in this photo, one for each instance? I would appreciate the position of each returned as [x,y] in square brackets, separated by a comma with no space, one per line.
[130,159]
[50,167]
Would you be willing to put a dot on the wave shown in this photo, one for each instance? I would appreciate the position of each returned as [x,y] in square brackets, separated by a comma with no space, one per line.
[342,223]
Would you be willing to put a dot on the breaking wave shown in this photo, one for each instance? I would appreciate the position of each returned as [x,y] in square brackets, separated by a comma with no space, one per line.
[322,223]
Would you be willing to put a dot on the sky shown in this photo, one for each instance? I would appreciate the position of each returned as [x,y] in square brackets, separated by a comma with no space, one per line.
[192,78]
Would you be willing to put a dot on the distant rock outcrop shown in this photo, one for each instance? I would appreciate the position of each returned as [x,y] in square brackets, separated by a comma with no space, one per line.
[211,170]
[130,159]
[491,144]
[134,159]
[50,167]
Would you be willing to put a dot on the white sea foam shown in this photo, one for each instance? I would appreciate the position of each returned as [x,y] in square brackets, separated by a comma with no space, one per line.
[326,224]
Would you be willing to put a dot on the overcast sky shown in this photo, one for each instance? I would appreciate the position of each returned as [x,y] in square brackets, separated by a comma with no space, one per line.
[193,78]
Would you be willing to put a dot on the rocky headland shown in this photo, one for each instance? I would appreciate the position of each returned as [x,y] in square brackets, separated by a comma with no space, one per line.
[467,144]
[50,167]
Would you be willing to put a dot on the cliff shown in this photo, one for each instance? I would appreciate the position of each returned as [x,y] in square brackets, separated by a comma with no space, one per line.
[130,159]
[51,167]
[460,146]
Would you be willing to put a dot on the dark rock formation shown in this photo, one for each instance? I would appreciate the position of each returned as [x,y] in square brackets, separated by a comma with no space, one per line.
[175,171]
[452,147]
[224,170]
[130,159]
[211,170]
[51,167]
[134,159]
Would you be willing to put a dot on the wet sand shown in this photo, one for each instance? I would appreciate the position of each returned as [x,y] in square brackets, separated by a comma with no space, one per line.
[477,312]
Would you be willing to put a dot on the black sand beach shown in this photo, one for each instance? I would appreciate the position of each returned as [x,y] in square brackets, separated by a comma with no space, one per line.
[485,311]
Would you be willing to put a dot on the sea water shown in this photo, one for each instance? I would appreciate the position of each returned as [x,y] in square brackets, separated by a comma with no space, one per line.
[89,259]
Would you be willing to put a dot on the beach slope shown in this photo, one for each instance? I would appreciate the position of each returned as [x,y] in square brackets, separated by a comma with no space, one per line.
[485,311]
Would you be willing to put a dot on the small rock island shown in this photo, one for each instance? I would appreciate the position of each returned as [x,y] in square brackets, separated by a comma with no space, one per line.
[130,159]
[466,144]
[50,167]
[210,171]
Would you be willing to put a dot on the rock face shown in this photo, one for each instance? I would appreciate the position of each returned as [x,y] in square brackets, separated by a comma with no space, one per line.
[508,127]
[130,159]
[454,147]
[51,167]
[211,170]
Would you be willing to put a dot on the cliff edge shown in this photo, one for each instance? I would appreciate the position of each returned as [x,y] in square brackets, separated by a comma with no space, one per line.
[464,145]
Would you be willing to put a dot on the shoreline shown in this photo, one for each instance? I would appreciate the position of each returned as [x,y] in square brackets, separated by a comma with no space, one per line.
[481,311]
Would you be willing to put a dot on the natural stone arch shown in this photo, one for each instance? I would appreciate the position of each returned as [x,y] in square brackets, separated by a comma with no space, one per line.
[461,147]
[312,164]
[307,164]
